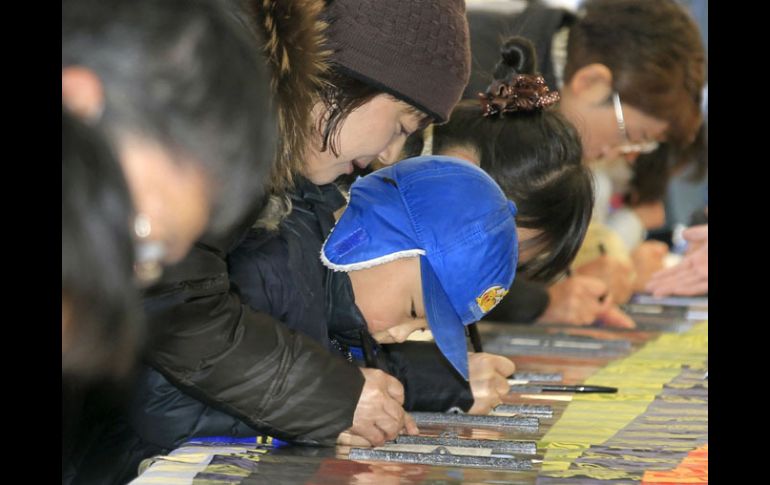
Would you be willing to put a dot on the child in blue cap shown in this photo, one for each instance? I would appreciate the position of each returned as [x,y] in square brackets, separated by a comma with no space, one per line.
[428,241]
[541,172]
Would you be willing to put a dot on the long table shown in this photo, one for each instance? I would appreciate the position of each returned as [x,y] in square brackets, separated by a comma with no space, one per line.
[653,431]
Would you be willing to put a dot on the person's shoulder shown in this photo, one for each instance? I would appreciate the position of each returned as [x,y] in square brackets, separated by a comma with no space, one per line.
[267,247]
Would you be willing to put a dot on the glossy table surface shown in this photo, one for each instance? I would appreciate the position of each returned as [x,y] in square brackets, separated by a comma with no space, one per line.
[654,430]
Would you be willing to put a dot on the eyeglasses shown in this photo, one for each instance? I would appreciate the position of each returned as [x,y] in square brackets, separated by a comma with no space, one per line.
[628,147]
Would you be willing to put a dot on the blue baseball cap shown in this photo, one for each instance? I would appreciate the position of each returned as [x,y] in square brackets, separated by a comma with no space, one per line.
[452,215]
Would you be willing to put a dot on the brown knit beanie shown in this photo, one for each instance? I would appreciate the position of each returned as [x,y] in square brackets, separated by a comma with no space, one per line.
[416,50]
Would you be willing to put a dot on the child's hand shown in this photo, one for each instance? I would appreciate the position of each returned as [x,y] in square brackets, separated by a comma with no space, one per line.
[379,415]
[575,301]
[617,274]
[489,380]
[346,438]
[410,427]
[613,316]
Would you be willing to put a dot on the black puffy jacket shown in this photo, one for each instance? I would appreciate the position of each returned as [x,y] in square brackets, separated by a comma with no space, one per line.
[212,347]
[280,273]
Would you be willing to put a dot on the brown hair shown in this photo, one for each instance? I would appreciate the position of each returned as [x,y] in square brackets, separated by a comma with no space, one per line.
[655,53]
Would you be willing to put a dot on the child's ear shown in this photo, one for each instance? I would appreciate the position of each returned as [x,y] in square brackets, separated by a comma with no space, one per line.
[592,84]
[82,92]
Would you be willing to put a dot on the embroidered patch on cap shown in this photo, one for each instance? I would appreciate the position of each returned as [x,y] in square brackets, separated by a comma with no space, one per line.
[490,298]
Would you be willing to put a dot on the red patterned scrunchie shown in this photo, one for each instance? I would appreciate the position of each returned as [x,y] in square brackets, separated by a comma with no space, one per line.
[525,92]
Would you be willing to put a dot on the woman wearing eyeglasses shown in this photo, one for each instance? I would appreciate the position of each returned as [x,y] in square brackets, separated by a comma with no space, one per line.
[641,93]
[630,74]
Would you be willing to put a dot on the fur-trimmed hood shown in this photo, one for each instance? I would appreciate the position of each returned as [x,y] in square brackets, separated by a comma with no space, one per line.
[294,39]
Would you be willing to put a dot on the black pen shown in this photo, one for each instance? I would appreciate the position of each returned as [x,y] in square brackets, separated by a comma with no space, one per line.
[473,333]
[521,386]
[578,388]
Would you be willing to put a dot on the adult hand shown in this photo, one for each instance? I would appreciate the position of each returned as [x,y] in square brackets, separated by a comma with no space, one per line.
[691,275]
[696,236]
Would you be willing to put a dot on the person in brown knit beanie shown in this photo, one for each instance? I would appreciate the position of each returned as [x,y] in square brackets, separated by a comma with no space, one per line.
[365,75]
[353,78]
[394,67]
[417,50]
